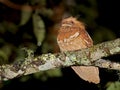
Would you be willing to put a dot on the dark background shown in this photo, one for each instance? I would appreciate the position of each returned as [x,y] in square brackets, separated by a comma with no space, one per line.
[108,17]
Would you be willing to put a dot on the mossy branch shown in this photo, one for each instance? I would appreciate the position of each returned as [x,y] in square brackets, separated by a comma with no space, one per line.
[88,56]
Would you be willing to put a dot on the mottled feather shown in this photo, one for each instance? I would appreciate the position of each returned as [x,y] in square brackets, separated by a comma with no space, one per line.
[73,36]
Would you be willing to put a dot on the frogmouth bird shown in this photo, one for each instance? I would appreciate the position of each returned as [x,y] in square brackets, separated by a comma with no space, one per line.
[73,36]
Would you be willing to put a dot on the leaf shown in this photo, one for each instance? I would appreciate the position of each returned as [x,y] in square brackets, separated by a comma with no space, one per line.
[24,78]
[114,86]
[39,28]
[48,74]
[54,73]
[25,14]
[5,53]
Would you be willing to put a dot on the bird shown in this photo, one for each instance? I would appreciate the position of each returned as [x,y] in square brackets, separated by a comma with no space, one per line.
[73,36]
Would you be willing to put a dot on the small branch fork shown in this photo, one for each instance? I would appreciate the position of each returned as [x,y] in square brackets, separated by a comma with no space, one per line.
[89,56]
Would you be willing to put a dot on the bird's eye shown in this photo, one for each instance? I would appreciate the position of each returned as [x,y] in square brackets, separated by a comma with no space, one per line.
[71,22]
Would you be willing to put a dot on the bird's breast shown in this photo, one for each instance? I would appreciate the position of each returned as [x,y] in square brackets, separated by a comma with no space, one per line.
[73,42]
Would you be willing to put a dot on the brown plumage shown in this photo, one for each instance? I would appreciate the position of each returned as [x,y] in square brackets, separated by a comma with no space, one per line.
[73,36]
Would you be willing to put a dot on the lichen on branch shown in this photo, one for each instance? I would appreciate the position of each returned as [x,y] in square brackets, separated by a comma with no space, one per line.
[88,56]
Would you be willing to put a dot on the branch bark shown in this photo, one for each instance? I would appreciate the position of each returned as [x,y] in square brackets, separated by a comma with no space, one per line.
[88,56]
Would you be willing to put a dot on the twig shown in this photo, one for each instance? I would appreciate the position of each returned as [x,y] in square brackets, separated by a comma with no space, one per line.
[19,7]
[88,56]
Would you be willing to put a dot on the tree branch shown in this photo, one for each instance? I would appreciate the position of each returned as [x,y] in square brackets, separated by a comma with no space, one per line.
[19,7]
[88,56]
